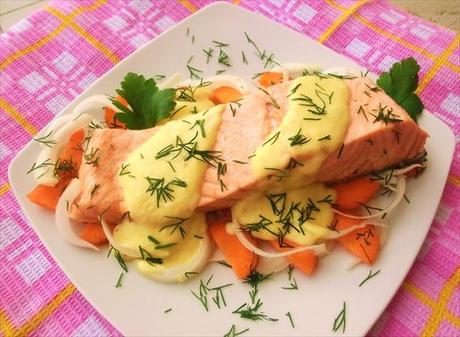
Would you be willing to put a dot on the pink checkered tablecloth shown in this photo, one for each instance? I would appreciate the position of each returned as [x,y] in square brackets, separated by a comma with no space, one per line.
[51,56]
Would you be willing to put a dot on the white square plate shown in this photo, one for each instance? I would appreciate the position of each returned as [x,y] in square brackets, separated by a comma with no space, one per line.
[138,307]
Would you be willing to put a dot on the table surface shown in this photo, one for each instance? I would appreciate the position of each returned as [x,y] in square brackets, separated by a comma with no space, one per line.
[443,12]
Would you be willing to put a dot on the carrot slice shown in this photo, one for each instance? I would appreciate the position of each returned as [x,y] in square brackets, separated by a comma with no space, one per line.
[305,261]
[70,159]
[109,115]
[93,233]
[48,196]
[364,242]
[242,260]
[223,95]
[270,77]
[353,193]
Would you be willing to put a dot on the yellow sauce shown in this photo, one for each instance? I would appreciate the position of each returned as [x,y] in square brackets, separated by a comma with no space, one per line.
[159,191]
[294,152]
[301,215]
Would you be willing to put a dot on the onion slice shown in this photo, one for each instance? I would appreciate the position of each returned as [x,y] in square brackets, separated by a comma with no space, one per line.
[64,225]
[335,235]
[317,249]
[399,195]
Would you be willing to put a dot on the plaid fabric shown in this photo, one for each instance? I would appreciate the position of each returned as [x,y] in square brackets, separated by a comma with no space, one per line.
[51,56]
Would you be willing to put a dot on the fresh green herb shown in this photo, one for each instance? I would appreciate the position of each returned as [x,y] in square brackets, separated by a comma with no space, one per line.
[124,170]
[118,257]
[341,320]
[270,61]
[208,53]
[146,256]
[219,44]
[340,151]
[166,245]
[253,312]
[386,115]
[293,163]
[167,310]
[327,199]
[176,225]
[233,333]
[190,273]
[240,162]
[292,286]
[218,72]
[400,84]
[255,278]
[245,60]
[293,90]
[190,59]
[205,289]
[43,164]
[159,77]
[155,241]
[200,124]
[223,58]
[272,139]
[163,191]
[64,166]
[198,237]
[224,263]
[328,137]
[272,99]
[147,103]
[194,72]
[298,139]
[126,215]
[288,314]
[92,158]
[46,140]
[118,285]
[368,277]
[277,173]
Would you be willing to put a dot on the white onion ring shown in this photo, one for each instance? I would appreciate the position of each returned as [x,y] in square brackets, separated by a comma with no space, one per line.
[335,235]
[63,223]
[94,106]
[272,265]
[317,249]
[406,169]
[399,195]
[122,249]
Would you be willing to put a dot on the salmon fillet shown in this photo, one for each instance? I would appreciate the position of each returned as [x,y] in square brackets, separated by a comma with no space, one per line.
[109,148]
[370,144]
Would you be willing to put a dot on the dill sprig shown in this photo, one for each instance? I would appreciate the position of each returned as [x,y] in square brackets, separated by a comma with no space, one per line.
[92,157]
[194,72]
[272,139]
[200,124]
[217,294]
[46,140]
[272,99]
[146,256]
[245,60]
[118,284]
[124,170]
[386,115]
[255,278]
[288,314]
[253,312]
[341,320]
[163,191]
[368,277]
[208,53]
[277,173]
[118,257]
[42,165]
[233,333]
[223,58]
[298,139]
[176,225]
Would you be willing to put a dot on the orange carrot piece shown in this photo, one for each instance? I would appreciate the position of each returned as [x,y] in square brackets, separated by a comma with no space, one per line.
[242,260]
[48,196]
[223,95]
[353,193]
[364,242]
[269,78]
[109,115]
[305,261]
[71,156]
[93,233]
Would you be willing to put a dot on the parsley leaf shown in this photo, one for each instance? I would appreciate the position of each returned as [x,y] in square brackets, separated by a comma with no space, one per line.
[147,103]
[400,83]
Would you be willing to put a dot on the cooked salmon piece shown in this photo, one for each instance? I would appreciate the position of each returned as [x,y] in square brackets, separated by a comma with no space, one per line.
[100,193]
[371,143]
